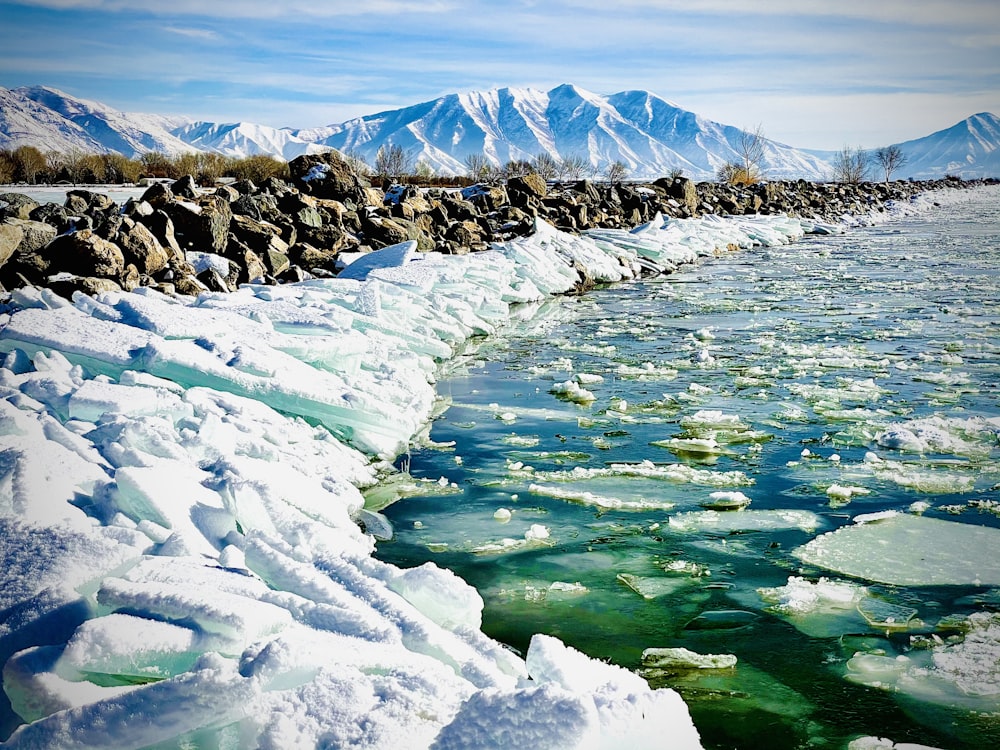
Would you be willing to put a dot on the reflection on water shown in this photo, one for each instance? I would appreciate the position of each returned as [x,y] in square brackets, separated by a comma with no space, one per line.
[821,381]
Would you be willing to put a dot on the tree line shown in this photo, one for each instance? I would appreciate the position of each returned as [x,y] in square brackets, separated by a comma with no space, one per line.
[29,165]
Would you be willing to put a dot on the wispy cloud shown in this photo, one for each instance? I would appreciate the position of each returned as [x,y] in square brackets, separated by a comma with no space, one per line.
[205,34]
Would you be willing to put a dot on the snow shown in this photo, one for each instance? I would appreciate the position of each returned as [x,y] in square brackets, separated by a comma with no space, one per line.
[184,535]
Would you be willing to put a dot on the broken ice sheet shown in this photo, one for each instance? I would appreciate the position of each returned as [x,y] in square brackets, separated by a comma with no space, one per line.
[963,674]
[828,608]
[907,550]
[653,587]
[746,520]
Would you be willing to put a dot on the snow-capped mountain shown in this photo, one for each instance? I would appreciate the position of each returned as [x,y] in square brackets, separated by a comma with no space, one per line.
[970,148]
[104,129]
[242,139]
[650,135]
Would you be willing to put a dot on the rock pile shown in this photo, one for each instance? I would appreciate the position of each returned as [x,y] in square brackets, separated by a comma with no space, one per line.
[182,240]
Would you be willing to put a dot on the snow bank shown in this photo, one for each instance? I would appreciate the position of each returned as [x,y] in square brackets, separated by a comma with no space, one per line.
[181,524]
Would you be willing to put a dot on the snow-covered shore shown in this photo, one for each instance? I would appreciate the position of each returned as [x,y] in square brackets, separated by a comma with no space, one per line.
[183,551]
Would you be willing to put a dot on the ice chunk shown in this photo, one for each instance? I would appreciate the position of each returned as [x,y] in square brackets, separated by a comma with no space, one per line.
[964,675]
[911,551]
[649,587]
[571,391]
[821,609]
[726,500]
[675,659]
[746,520]
[131,647]
[387,257]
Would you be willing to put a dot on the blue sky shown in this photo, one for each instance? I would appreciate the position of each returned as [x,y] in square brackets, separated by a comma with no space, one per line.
[812,74]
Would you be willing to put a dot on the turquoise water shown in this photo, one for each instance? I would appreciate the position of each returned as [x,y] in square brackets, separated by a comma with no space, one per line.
[774,373]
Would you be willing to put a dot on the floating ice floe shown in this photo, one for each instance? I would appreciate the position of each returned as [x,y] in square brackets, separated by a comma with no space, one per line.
[746,520]
[906,550]
[963,673]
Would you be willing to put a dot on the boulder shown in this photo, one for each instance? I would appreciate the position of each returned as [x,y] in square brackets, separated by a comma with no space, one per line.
[66,286]
[16,206]
[485,197]
[328,176]
[202,226]
[35,235]
[682,190]
[52,214]
[185,187]
[162,227]
[306,256]
[157,195]
[10,240]
[97,206]
[85,254]
[532,184]
[140,247]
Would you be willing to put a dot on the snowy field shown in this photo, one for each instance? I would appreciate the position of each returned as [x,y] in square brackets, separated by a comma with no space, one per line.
[186,557]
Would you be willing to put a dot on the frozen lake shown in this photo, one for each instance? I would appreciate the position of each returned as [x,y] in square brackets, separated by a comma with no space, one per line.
[596,466]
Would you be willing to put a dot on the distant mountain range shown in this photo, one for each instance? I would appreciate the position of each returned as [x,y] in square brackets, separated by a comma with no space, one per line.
[650,135]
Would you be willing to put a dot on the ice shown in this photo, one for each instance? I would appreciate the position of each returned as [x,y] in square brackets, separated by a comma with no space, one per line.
[963,673]
[746,520]
[387,257]
[677,659]
[911,551]
[726,500]
[974,437]
[181,515]
[572,391]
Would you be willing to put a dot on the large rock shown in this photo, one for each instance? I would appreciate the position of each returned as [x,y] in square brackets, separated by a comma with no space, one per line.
[85,254]
[16,206]
[26,261]
[683,190]
[532,184]
[10,240]
[328,176]
[157,195]
[36,235]
[202,226]
[485,197]
[185,187]
[140,247]
[54,215]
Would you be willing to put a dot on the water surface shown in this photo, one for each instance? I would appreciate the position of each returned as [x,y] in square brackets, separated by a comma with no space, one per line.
[793,375]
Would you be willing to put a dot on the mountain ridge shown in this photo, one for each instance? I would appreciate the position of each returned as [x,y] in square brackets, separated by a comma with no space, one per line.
[651,135]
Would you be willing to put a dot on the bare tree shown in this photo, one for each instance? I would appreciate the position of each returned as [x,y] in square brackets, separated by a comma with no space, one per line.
[392,161]
[734,173]
[890,158]
[574,167]
[479,168]
[750,147]
[850,165]
[516,168]
[616,171]
[356,162]
[545,166]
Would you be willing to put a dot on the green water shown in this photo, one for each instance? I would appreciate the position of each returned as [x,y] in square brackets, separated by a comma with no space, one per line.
[807,352]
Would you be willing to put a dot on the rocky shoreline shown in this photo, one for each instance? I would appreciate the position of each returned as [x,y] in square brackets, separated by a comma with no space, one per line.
[180,239]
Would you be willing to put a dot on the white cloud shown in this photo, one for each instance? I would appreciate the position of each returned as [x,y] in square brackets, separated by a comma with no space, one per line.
[203,34]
